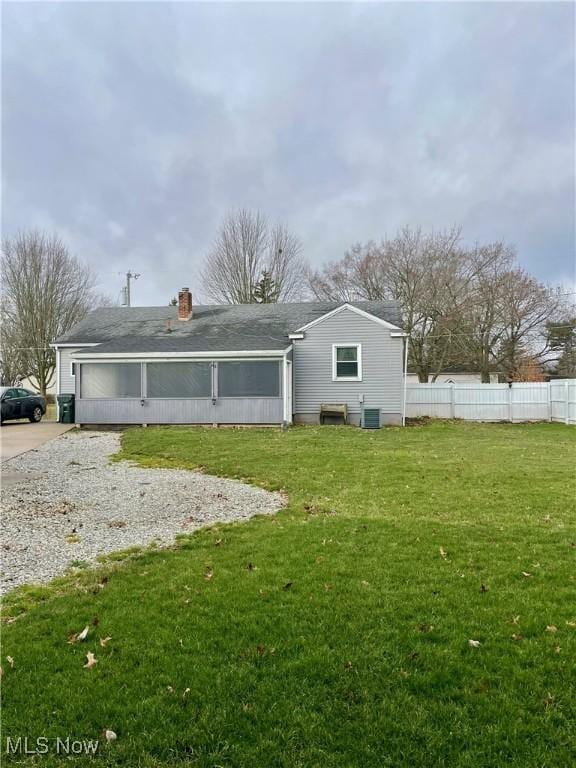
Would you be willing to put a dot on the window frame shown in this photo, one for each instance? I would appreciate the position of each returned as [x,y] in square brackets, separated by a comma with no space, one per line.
[345,345]
[73,365]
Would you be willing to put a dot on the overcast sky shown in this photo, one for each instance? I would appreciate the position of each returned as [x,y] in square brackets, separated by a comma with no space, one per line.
[130,129]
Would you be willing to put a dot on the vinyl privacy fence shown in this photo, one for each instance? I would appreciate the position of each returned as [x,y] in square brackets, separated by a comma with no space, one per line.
[523,401]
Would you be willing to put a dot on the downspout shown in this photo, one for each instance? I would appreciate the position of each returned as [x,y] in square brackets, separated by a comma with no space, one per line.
[57,383]
[405,380]
[286,390]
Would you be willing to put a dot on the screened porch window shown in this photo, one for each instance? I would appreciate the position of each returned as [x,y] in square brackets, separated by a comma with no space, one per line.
[179,380]
[347,362]
[110,380]
[249,378]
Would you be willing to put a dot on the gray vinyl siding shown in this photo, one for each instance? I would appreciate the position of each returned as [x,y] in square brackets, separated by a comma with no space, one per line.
[382,360]
[158,411]
[67,382]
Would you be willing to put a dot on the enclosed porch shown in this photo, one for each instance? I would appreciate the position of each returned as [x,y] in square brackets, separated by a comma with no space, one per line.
[215,390]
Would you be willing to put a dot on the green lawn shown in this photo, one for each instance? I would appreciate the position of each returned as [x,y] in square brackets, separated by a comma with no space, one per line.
[335,633]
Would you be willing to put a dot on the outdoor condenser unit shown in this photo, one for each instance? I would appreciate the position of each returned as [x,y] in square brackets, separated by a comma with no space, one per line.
[371,418]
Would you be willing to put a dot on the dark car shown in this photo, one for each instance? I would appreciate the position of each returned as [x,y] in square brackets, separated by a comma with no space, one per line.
[18,403]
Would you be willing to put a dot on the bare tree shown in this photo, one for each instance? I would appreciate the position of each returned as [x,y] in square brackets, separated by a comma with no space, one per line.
[12,365]
[246,249]
[505,316]
[285,264]
[45,291]
[337,280]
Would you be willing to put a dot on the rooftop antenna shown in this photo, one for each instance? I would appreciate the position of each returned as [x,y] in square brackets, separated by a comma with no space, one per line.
[126,289]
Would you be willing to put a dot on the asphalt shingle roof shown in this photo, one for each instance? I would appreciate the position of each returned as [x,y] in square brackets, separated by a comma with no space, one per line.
[224,328]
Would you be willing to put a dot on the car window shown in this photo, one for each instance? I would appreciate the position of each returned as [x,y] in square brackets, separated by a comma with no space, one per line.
[10,394]
[24,393]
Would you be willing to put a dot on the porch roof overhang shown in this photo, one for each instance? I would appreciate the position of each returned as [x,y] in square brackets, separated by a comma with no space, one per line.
[94,356]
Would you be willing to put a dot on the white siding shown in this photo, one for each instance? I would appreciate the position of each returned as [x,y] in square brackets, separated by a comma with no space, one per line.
[382,361]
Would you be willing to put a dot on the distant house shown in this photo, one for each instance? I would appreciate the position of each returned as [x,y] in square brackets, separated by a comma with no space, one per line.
[26,383]
[233,364]
[454,376]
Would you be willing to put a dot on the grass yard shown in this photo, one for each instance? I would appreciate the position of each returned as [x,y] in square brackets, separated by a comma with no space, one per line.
[335,634]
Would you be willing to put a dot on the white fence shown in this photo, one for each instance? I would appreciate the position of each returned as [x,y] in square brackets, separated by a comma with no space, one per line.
[523,401]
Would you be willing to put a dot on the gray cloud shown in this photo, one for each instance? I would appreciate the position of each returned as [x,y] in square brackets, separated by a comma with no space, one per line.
[131,128]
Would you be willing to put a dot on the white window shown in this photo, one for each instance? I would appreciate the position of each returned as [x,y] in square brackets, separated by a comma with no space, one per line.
[346,362]
[72,369]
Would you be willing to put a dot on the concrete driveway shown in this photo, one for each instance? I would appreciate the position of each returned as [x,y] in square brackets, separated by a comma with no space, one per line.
[17,437]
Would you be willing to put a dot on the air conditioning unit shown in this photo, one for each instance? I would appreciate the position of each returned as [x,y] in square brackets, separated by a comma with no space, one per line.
[371,418]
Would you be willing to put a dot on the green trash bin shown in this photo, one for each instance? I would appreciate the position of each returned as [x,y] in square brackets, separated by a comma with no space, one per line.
[66,409]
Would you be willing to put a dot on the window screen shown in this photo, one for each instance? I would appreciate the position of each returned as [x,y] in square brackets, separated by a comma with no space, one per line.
[346,362]
[179,380]
[252,378]
[110,380]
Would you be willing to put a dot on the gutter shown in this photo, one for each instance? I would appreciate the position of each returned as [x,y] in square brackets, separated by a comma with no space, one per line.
[257,354]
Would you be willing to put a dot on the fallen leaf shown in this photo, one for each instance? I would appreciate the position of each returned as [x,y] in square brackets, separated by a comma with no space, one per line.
[517,638]
[10,660]
[110,735]
[251,567]
[526,574]
[208,574]
[474,643]
[260,650]
[348,665]
[80,636]
[186,692]
[557,648]
[551,628]
[365,583]
[483,588]
[425,627]
[443,553]
[169,689]
[287,586]
[104,641]
[217,542]
[516,619]
[91,660]
[403,673]
[549,701]
[327,587]
[571,623]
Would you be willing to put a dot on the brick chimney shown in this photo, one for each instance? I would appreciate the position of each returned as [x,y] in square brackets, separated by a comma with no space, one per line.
[184,304]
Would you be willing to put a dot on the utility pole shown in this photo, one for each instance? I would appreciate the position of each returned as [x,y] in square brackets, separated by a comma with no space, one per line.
[126,290]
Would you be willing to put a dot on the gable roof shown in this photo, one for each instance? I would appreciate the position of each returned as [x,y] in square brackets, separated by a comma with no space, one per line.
[213,327]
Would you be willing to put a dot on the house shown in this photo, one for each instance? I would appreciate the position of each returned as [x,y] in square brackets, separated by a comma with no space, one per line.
[233,364]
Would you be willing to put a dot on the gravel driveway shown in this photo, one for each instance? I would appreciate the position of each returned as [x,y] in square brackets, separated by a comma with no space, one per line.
[71,504]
